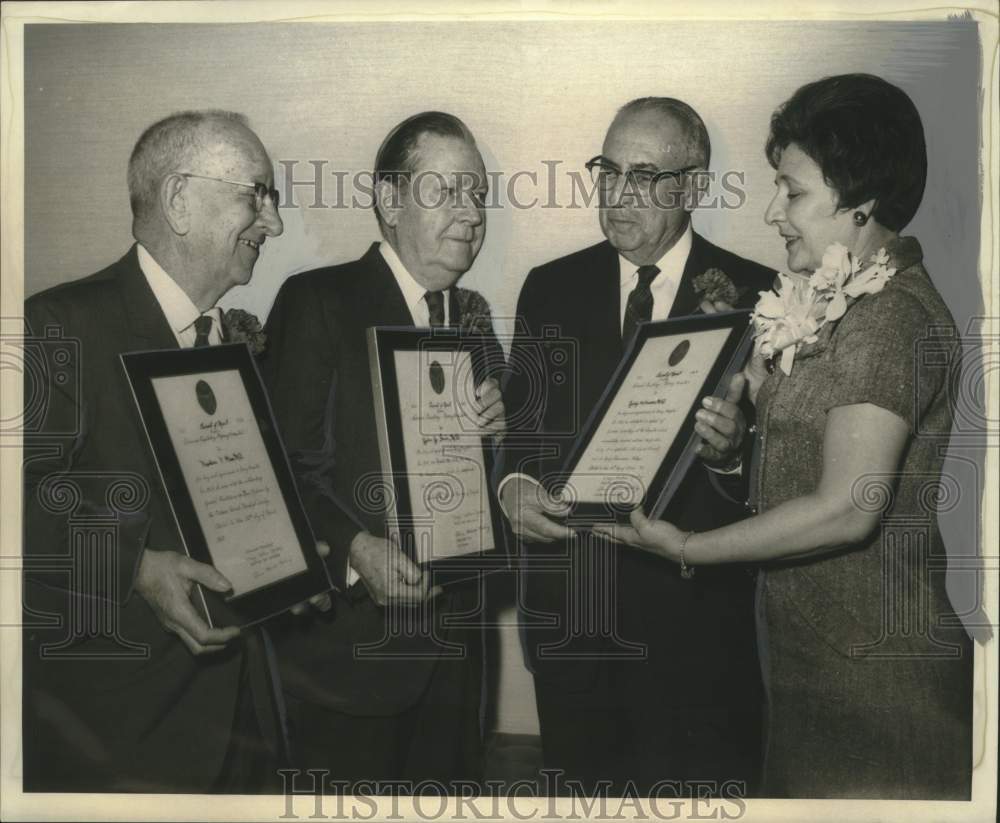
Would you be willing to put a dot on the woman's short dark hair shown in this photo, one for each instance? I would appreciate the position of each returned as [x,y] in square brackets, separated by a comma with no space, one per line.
[866,136]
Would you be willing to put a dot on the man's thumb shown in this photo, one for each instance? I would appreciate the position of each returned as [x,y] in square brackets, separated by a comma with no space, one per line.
[208,576]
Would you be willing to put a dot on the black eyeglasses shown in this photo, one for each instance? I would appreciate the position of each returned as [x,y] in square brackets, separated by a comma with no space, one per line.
[261,192]
[606,175]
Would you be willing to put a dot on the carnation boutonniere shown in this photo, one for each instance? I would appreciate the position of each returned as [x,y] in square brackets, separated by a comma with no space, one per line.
[715,286]
[474,313]
[244,327]
[791,315]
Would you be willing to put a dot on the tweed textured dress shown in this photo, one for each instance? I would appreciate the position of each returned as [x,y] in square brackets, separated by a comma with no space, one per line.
[868,671]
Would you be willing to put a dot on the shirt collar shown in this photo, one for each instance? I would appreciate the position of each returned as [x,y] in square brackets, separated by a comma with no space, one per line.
[413,292]
[177,307]
[671,265]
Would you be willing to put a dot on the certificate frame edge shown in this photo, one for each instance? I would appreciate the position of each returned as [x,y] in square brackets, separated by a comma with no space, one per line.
[687,458]
[664,483]
[255,606]
[383,341]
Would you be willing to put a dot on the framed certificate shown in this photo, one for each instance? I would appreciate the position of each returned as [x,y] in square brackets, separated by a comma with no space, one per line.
[227,478]
[441,507]
[640,440]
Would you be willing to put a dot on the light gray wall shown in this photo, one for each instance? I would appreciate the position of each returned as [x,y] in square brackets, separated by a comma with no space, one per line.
[531,92]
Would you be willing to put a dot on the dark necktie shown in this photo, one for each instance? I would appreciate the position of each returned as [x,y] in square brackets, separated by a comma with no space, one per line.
[202,327]
[640,302]
[435,303]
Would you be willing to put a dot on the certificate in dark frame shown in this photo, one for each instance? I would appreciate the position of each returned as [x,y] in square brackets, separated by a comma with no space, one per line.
[681,452]
[401,523]
[258,604]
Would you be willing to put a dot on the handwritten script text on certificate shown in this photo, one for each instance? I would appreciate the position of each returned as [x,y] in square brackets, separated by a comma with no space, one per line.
[230,479]
[645,416]
[446,473]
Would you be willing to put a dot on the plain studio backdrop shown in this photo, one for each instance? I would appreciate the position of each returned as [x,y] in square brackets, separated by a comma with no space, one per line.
[538,97]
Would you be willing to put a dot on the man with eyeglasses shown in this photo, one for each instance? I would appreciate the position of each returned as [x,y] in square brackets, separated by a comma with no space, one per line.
[388,685]
[165,703]
[643,676]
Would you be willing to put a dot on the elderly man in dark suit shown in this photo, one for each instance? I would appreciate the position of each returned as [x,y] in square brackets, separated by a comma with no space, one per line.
[387,685]
[642,676]
[126,688]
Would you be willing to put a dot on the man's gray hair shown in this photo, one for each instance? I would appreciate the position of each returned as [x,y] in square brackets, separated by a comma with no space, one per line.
[169,145]
[698,146]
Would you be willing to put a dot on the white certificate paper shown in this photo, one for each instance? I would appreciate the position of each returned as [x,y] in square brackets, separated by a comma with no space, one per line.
[644,417]
[230,479]
[446,472]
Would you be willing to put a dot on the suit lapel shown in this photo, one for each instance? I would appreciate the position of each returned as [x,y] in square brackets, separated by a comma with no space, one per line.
[454,309]
[603,301]
[385,302]
[146,321]
[687,302]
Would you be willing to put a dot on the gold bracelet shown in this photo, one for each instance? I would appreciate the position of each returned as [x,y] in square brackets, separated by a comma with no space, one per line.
[686,571]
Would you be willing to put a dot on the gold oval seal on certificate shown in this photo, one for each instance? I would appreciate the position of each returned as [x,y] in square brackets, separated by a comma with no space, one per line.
[437,377]
[206,397]
[680,350]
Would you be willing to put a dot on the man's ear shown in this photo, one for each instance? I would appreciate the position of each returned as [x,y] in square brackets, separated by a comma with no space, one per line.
[387,201]
[174,203]
[697,183]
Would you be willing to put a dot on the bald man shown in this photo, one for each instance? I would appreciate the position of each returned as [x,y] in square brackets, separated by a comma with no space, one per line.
[641,675]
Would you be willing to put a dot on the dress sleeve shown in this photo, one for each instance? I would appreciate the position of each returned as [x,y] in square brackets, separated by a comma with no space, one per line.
[876,357]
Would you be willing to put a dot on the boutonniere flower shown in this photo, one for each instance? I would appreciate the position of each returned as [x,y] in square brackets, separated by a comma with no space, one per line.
[244,327]
[791,315]
[474,313]
[716,287]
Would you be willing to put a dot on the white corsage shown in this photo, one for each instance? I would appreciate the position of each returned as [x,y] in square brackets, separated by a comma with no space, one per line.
[791,316]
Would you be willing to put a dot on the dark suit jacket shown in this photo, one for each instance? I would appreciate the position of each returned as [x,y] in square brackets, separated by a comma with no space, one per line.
[317,370]
[136,711]
[567,344]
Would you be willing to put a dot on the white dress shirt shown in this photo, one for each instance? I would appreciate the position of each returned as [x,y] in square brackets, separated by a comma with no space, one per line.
[664,286]
[664,290]
[413,292]
[176,306]
[413,295]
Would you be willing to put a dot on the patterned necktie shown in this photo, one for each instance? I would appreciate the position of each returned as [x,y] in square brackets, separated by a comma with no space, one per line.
[435,304]
[640,302]
[202,327]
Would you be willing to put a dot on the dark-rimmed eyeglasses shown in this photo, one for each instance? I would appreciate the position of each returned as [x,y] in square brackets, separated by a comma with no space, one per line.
[262,193]
[606,175]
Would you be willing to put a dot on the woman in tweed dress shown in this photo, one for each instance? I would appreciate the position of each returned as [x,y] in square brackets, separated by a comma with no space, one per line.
[867,668]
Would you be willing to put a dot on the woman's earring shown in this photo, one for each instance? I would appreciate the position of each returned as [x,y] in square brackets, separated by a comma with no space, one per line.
[860,218]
